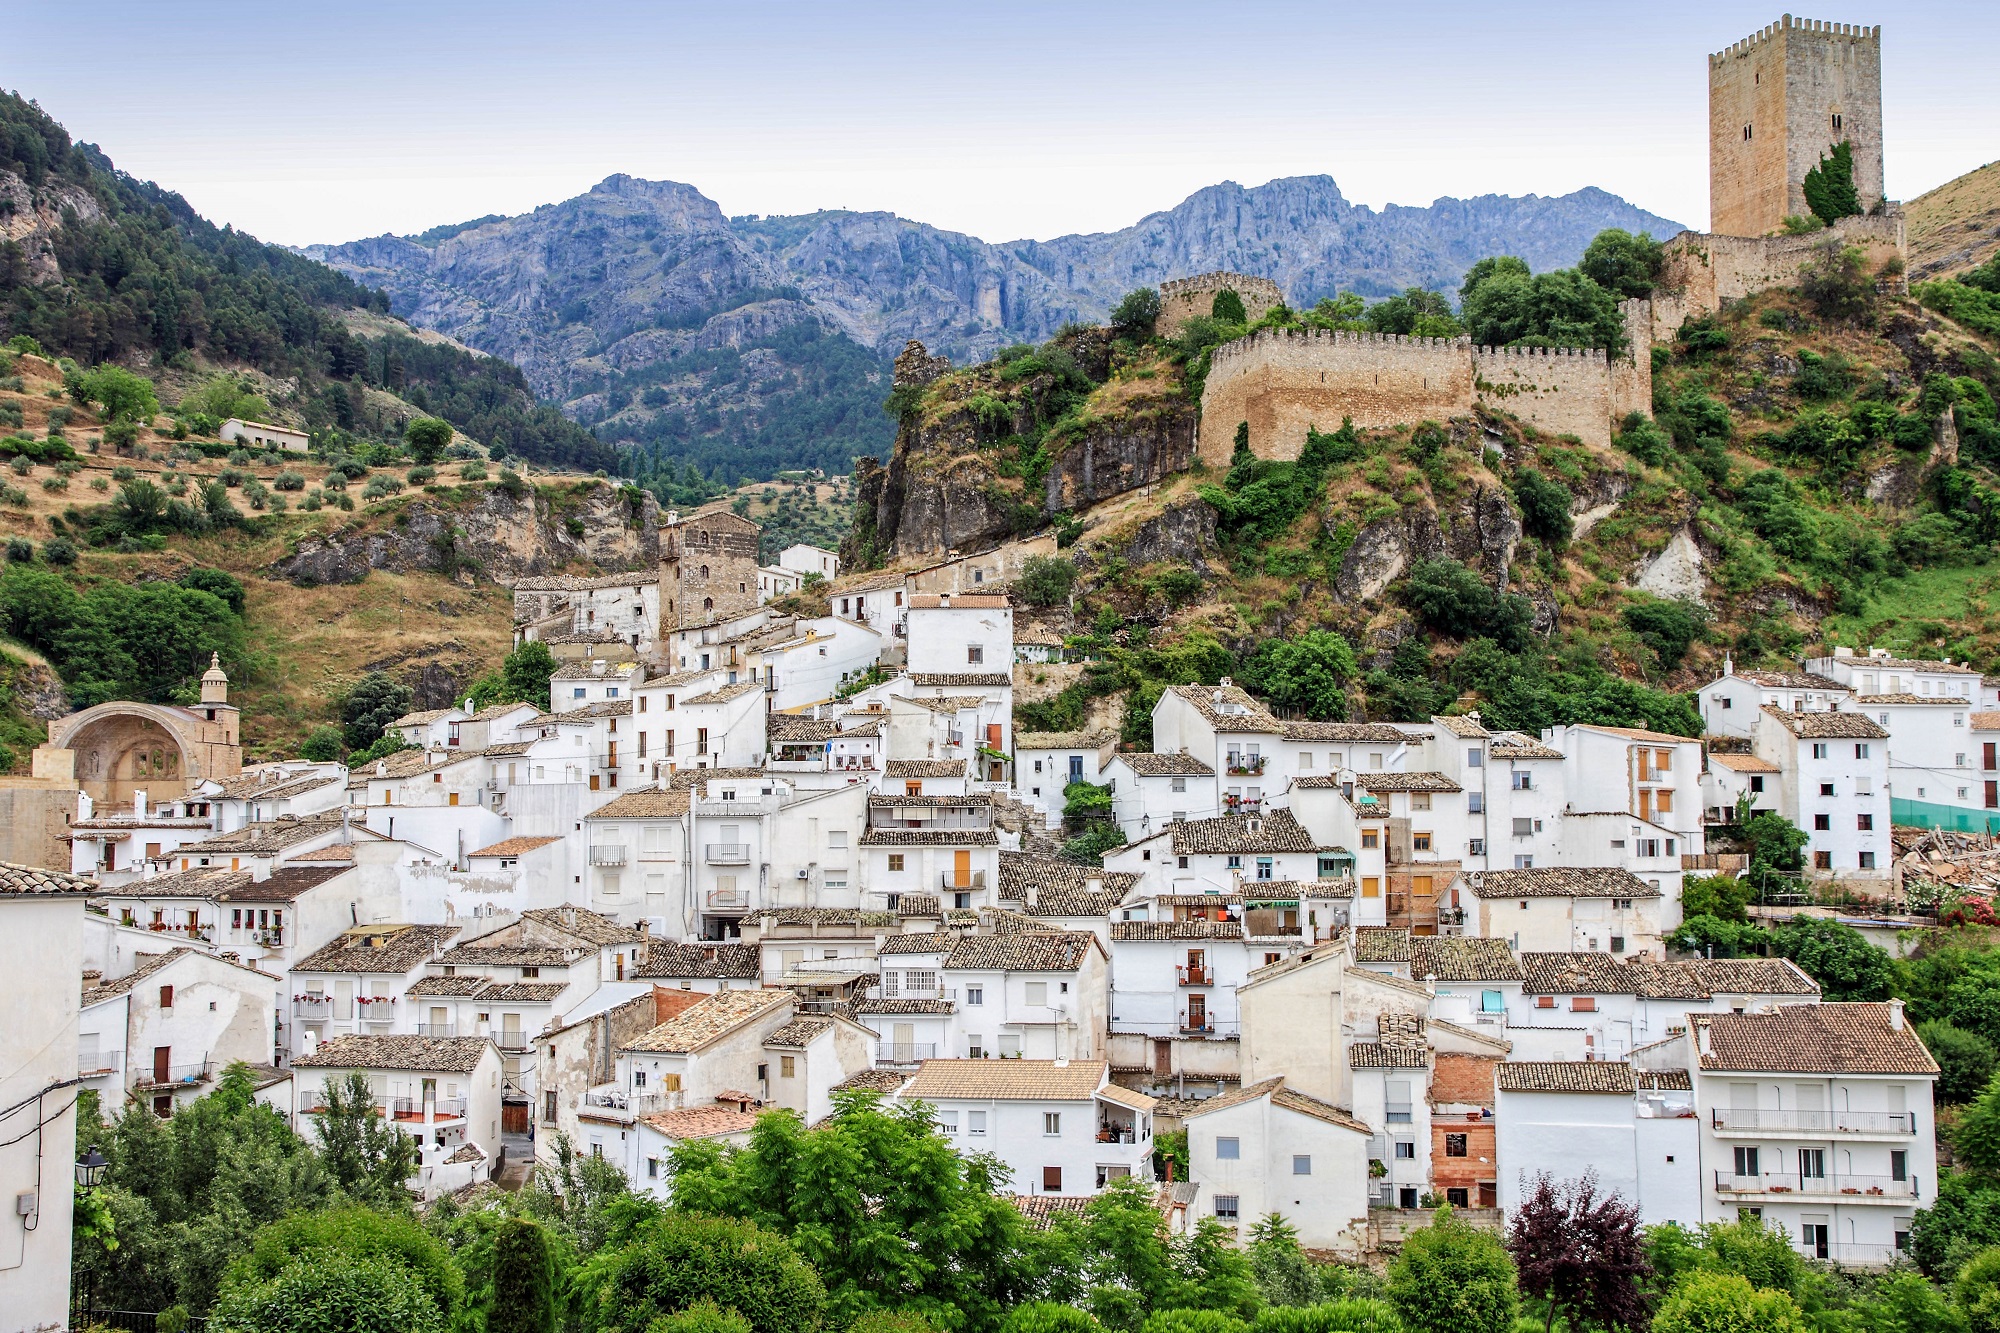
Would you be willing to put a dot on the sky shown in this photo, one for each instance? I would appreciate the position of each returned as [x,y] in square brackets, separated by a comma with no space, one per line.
[305,123]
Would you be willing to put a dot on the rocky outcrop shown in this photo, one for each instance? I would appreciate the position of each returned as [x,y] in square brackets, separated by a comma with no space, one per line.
[1483,531]
[1676,571]
[1182,533]
[1141,449]
[500,536]
[1902,483]
[38,691]
[1383,552]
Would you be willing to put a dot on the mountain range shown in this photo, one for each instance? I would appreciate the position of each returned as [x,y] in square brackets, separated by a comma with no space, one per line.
[759,343]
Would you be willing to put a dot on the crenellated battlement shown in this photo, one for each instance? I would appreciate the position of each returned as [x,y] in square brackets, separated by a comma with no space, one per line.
[1854,32]
[1182,299]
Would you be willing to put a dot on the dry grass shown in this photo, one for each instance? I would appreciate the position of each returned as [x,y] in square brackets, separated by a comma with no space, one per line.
[1956,226]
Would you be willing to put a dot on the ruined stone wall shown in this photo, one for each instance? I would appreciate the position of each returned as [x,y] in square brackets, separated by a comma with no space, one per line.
[1702,271]
[1779,99]
[1632,373]
[1561,390]
[1184,298]
[1284,381]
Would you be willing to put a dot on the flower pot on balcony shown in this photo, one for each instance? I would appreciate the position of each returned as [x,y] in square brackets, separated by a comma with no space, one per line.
[1849,1189]
[1874,1189]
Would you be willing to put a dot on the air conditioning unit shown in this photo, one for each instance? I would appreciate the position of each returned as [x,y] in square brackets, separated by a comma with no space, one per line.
[802,873]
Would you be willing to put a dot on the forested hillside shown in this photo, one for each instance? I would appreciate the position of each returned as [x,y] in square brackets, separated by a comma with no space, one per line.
[100,267]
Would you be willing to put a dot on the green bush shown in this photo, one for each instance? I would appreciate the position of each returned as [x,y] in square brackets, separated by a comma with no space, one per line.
[323,746]
[680,1260]
[380,485]
[421,476]
[289,481]
[352,1234]
[1545,507]
[1829,187]
[1669,628]
[20,551]
[1710,1302]
[1621,263]
[1046,580]
[1135,315]
[59,551]
[333,1293]
[1049,1317]
[1228,307]
[1449,1278]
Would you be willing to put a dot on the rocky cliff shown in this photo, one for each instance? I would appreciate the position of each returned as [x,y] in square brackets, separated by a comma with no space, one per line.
[610,300]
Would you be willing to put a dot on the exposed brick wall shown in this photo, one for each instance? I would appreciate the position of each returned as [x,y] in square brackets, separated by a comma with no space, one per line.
[1462,1080]
[1786,83]
[1478,1168]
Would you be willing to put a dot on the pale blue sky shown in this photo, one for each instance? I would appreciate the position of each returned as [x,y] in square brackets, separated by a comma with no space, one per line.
[326,122]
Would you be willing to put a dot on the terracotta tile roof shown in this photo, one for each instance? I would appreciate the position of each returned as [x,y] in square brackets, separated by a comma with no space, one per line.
[1703,978]
[1514,745]
[1276,831]
[147,964]
[1064,951]
[923,768]
[1636,733]
[1381,944]
[1147,764]
[1791,680]
[1573,974]
[1987,721]
[1062,888]
[723,694]
[507,955]
[1252,717]
[1348,733]
[1007,1080]
[956,601]
[943,703]
[1559,882]
[211,882]
[269,789]
[1040,1210]
[443,987]
[671,959]
[1664,1080]
[513,846]
[1061,740]
[1843,1038]
[961,679]
[1455,958]
[1280,1095]
[263,838]
[917,904]
[927,941]
[926,837]
[286,883]
[799,1033]
[1006,921]
[1374,1055]
[645,803]
[1127,931]
[1744,763]
[1466,727]
[690,778]
[338,851]
[525,992]
[577,583]
[466,1152]
[385,948]
[1604,1076]
[715,1017]
[702,1122]
[582,923]
[872,1080]
[1828,726]
[1137,1101]
[1930,700]
[1405,782]
[424,719]
[799,729]
[451,1055]
[901,1006]
[825,916]
[601,708]
[1915,664]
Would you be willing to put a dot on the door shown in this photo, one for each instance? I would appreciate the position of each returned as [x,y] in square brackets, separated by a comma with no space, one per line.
[1197,1013]
[438,1021]
[162,1059]
[1991,755]
[1076,767]
[961,869]
[903,1042]
[1812,1107]
[513,1117]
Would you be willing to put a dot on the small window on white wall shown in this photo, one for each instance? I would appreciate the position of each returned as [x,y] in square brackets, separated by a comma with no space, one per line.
[1228,1150]
[1302,1164]
[1052,1124]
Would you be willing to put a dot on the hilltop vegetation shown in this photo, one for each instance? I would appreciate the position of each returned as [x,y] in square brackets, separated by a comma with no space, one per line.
[113,269]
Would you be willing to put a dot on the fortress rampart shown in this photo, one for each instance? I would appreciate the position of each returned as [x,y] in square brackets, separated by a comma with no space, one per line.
[1702,271]
[1184,298]
[1285,381]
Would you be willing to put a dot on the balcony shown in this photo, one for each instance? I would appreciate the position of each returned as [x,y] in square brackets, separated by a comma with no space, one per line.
[1200,1024]
[728,900]
[512,1039]
[922,993]
[1847,1189]
[313,1008]
[91,1062]
[951,881]
[1246,766]
[727,853]
[410,1108]
[1195,976]
[905,1052]
[186,1075]
[1243,805]
[1814,1124]
[376,1012]
[437,1030]
[608,855]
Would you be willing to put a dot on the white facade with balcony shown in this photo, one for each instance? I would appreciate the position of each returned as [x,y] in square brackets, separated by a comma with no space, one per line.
[444,1093]
[1061,1126]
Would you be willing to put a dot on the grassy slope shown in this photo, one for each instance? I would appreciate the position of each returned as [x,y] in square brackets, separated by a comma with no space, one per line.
[1956,226]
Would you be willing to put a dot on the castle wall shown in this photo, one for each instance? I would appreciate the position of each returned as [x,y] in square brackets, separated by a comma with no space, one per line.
[1700,272]
[1285,381]
[1561,390]
[1773,100]
[1184,298]
[1632,374]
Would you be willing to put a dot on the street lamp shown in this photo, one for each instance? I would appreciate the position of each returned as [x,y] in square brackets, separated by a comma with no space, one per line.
[90,1167]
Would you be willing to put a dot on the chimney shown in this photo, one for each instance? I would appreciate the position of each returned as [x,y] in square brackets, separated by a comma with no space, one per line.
[1896,1015]
[1034,895]
[1094,884]
[1704,1040]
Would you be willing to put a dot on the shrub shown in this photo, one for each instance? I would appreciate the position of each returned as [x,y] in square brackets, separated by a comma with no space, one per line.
[123,473]
[1228,307]
[22,466]
[1640,436]
[59,551]
[474,471]
[289,481]
[1450,1278]
[427,437]
[1822,377]
[1838,285]
[20,551]
[331,1293]
[1669,628]
[1046,580]
[681,1260]
[1136,315]
[1545,507]
[1049,1317]
[1829,187]
[1622,263]
[422,476]
[99,484]
[380,485]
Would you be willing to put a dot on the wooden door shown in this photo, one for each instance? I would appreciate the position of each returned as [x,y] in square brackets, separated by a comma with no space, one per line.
[513,1117]
[961,868]
[162,1058]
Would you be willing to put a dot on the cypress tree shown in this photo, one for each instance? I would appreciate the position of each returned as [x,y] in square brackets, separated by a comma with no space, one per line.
[1829,187]
[524,1292]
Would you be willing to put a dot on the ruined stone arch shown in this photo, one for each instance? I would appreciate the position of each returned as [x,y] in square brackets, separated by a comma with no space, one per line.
[125,747]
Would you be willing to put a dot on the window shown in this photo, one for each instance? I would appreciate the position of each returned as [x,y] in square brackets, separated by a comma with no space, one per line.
[1861,751]
[1524,828]
[1454,1145]
[785,1066]
[1819,750]
[1866,860]
[975,1124]
[1475,758]
[1235,861]
[1822,823]
[166,997]
[1746,1162]
[1036,992]
[1228,1150]
[947,1122]
[975,995]
[1421,841]
[1371,839]
[1475,802]
[1524,863]
[1618,944]
[1302,1164]
[1420,800]
[1406,1150]
[1583,1004]
[1179,785]
[653,1168]
[1225,1207]
[1899,1164]
[1457,1196]
[975,654]
[1826,789]
[1477,847]
[1865,823]
[1052,1180]
[1523,780]
[1264,867]
[1757,784]
[1822,860]
[1835,118]
[895,861]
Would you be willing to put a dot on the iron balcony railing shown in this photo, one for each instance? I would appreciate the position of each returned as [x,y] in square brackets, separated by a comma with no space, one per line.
[1786,1182]
[906,1052]
[1195,976]
[727,853]
[972,879]
[313,1010]
[1197,1023]
[609,854]
[437,1029]
[197,1071]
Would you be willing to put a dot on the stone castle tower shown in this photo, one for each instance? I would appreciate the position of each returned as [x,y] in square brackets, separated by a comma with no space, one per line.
[708,569]
[1779,99]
